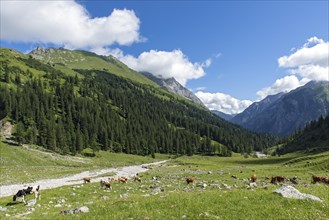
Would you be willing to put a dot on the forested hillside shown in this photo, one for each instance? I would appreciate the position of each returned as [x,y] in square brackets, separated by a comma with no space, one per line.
[69,109]
[313,138]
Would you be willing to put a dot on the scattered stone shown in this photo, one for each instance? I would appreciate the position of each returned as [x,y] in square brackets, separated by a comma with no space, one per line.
[288,191]
[31,202]
[73,194]
[253,184]
[58,205]
[3,209]
[83,209]
[209,172]
[105,197]
[7,215]
[123,195]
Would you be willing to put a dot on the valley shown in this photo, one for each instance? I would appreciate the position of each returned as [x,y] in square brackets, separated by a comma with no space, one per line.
[221,191]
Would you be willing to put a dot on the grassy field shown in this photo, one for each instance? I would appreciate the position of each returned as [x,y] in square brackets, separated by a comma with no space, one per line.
[18,163]
[169,197]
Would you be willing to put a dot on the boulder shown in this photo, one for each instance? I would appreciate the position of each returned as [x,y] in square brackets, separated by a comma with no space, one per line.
[288,191]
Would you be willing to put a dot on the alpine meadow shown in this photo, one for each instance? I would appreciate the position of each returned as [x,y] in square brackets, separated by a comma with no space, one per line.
[164,110]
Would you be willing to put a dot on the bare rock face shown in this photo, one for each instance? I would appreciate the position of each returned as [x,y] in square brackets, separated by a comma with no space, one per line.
[173,86]
[288,191]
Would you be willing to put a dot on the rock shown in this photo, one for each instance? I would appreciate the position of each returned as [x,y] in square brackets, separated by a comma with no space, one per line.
[253,184]
[84,209]
[123,195]
[209,172]
[288,191]
[58,205]
[3,209]
[31,202]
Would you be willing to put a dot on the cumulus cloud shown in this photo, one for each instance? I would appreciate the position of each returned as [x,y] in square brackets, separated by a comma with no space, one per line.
[223,102]
[166,64]
[310,62]
[66,23]
[284,84]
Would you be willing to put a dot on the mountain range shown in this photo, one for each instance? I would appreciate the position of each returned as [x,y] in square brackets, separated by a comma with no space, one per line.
[283,113]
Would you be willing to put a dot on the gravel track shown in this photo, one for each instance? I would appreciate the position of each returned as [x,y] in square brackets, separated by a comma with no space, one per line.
[128,171]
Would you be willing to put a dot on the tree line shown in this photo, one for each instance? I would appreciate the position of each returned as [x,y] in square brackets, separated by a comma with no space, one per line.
[99,110]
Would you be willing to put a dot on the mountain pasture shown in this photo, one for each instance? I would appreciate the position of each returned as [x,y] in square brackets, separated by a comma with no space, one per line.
[221,191]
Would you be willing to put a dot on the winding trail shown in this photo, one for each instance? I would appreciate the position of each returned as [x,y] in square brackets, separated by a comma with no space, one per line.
[128,171]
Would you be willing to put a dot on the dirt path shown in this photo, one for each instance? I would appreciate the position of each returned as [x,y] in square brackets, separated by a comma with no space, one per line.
[127,171]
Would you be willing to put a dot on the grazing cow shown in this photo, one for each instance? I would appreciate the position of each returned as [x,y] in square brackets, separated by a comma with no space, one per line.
[137,178]
[123,179]
[23,192]
[114,179]
[321,179]
[277,179]
[190,179]
[87,179]
[106,184]
[253,178]
[294,180]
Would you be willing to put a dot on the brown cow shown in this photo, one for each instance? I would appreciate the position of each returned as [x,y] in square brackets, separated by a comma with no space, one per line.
[106,184]
[190,179]
[321,179]
[253,178]
[137,178]
[277,179]
[123,179]
[87,179]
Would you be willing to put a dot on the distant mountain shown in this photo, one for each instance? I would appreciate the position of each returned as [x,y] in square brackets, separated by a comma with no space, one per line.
[282,114]
[173,86]
[313,138]
[223,115]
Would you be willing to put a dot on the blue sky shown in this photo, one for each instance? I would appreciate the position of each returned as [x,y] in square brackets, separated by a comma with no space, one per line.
[227,52]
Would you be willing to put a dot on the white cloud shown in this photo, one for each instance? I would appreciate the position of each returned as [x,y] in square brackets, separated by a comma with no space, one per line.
[166,64]
[201,88]
[223,102]
[284,84]
[66,23]
[310,62]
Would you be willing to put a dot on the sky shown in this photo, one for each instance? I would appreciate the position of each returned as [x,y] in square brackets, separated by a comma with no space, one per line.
[229,53]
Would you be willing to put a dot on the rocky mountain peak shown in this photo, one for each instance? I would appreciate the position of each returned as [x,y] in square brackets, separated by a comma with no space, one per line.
[173,86]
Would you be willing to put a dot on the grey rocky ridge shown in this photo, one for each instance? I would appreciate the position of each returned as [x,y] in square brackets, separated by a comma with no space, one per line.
[171,85]
[283,113]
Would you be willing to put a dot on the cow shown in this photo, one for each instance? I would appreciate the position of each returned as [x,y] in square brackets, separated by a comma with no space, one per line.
[294,180]
[190,179]
[137,178]
[87,179]
[24,192]
[277,179]
[321,179]
[253,178]
[123,179]
[106,184]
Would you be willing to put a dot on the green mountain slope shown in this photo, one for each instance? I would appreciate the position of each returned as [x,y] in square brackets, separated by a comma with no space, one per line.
[77,107]
[77,59]
[312,139]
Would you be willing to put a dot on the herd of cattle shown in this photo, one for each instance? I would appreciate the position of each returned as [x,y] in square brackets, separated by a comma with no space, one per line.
[20,195]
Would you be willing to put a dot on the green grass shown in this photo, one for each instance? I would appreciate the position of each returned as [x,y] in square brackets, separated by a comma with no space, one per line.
[18,163]
[171,198]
